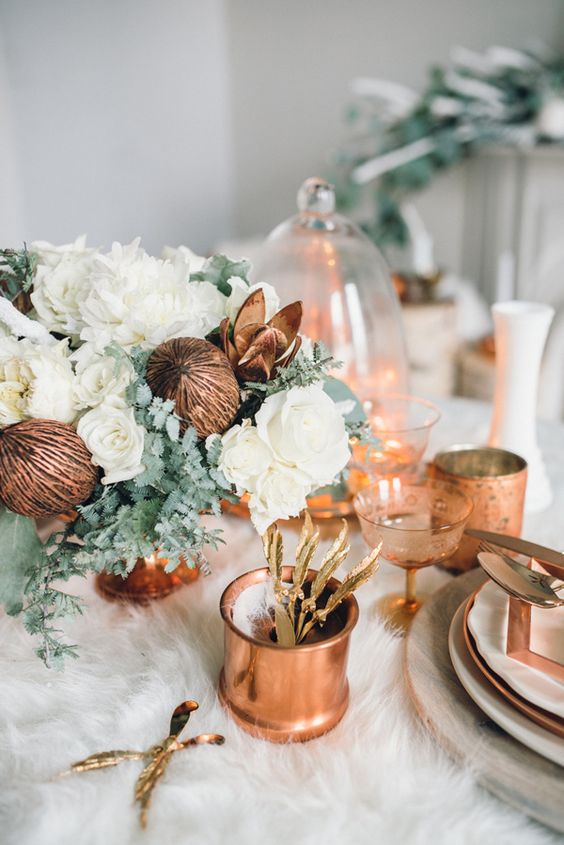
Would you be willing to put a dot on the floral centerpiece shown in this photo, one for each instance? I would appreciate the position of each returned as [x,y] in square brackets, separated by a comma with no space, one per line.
[141,392]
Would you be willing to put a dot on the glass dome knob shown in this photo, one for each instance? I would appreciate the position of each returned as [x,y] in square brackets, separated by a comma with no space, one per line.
[316,196]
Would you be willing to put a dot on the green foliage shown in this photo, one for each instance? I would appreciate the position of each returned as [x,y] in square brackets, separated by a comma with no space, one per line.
[19,548]
[17,269]
[462,108]
[219,269]
[159,509]
[302,372]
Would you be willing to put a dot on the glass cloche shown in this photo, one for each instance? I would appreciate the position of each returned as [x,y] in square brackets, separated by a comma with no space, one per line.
[350,304]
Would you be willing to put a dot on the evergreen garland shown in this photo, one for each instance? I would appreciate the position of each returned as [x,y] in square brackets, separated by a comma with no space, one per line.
[493,98]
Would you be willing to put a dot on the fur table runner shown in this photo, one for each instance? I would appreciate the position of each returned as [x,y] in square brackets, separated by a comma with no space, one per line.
[378,777]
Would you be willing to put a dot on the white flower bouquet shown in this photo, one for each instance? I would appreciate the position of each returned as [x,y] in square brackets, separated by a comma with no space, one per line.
[140,392]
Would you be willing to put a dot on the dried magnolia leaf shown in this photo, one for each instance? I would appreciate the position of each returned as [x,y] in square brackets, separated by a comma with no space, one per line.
[287,321]
[285,635]
[226,344]
[286,361]
[246,336]
[253,310]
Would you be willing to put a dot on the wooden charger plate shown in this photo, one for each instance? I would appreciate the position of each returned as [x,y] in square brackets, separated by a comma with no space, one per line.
[514,773]
[541,717]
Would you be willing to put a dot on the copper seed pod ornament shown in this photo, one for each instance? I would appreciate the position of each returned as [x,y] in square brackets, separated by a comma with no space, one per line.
[198,376]
[45,468]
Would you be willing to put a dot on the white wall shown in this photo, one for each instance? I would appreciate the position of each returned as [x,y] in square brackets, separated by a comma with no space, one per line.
[291,66]
[120,120]
[194,121]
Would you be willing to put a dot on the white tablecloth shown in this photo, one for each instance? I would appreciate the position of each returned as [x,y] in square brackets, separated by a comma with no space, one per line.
[377,778]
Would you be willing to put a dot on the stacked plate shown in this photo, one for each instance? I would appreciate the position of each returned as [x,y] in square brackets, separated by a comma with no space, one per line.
[527,703]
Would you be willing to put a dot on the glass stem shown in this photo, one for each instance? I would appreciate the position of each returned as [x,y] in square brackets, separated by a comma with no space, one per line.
[410,592]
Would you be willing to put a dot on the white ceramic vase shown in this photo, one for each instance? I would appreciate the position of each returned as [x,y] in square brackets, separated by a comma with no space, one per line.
[521,329]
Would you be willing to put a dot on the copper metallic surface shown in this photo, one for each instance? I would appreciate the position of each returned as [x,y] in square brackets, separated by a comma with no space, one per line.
[547,720]
[285,694]
[522,582]
[549,557]
[532,587]
[146,582]
[496,481]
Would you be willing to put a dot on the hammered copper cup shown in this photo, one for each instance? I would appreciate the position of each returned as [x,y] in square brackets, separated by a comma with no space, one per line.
[285,694]
[496,481]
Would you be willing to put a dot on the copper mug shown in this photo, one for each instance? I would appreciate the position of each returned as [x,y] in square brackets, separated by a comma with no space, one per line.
[285,694]
[496,480]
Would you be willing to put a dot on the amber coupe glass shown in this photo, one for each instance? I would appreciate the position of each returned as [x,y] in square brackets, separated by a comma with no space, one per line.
[402,425]
[419,525]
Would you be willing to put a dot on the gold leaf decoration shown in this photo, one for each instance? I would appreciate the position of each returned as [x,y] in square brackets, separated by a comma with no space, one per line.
[152,773]
[160,756]
[104,760]
[296,610]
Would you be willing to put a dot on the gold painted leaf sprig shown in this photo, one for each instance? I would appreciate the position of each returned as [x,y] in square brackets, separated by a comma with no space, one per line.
[158,756]
[296,609]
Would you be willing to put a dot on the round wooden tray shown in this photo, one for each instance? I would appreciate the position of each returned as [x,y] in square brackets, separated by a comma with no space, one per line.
[515,774]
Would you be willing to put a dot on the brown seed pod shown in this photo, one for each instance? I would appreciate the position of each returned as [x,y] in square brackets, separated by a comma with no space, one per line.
[45,468]
[198,376]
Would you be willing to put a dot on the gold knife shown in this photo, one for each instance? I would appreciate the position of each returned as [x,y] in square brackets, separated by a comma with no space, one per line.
[516,544]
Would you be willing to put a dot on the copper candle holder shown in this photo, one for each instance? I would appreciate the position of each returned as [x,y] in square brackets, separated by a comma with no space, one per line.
[496,481]
[285,694]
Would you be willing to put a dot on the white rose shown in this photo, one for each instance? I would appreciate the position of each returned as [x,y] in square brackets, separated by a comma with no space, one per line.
[182,256]
[280,493]
[240,290]
[115,440]
[35,382]
[304,429]
[60,284]
[99,376]
[244,456]
[136,299]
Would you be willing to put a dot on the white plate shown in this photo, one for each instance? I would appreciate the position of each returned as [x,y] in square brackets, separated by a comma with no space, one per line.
[487,622]
[493,704]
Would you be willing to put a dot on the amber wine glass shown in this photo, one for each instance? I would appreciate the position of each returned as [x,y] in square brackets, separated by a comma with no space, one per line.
[419,525]
[401,426]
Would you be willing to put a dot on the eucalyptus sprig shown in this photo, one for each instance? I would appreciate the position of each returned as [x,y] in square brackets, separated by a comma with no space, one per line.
[297,605]
[17,269]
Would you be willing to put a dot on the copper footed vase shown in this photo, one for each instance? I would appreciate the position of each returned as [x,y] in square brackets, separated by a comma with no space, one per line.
[146,582]
[285,694]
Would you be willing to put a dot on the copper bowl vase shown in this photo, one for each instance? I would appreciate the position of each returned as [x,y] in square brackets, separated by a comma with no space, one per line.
[285,694]
[148,581]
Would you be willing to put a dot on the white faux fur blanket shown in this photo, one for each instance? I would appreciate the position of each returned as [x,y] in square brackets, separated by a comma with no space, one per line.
[377,778]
